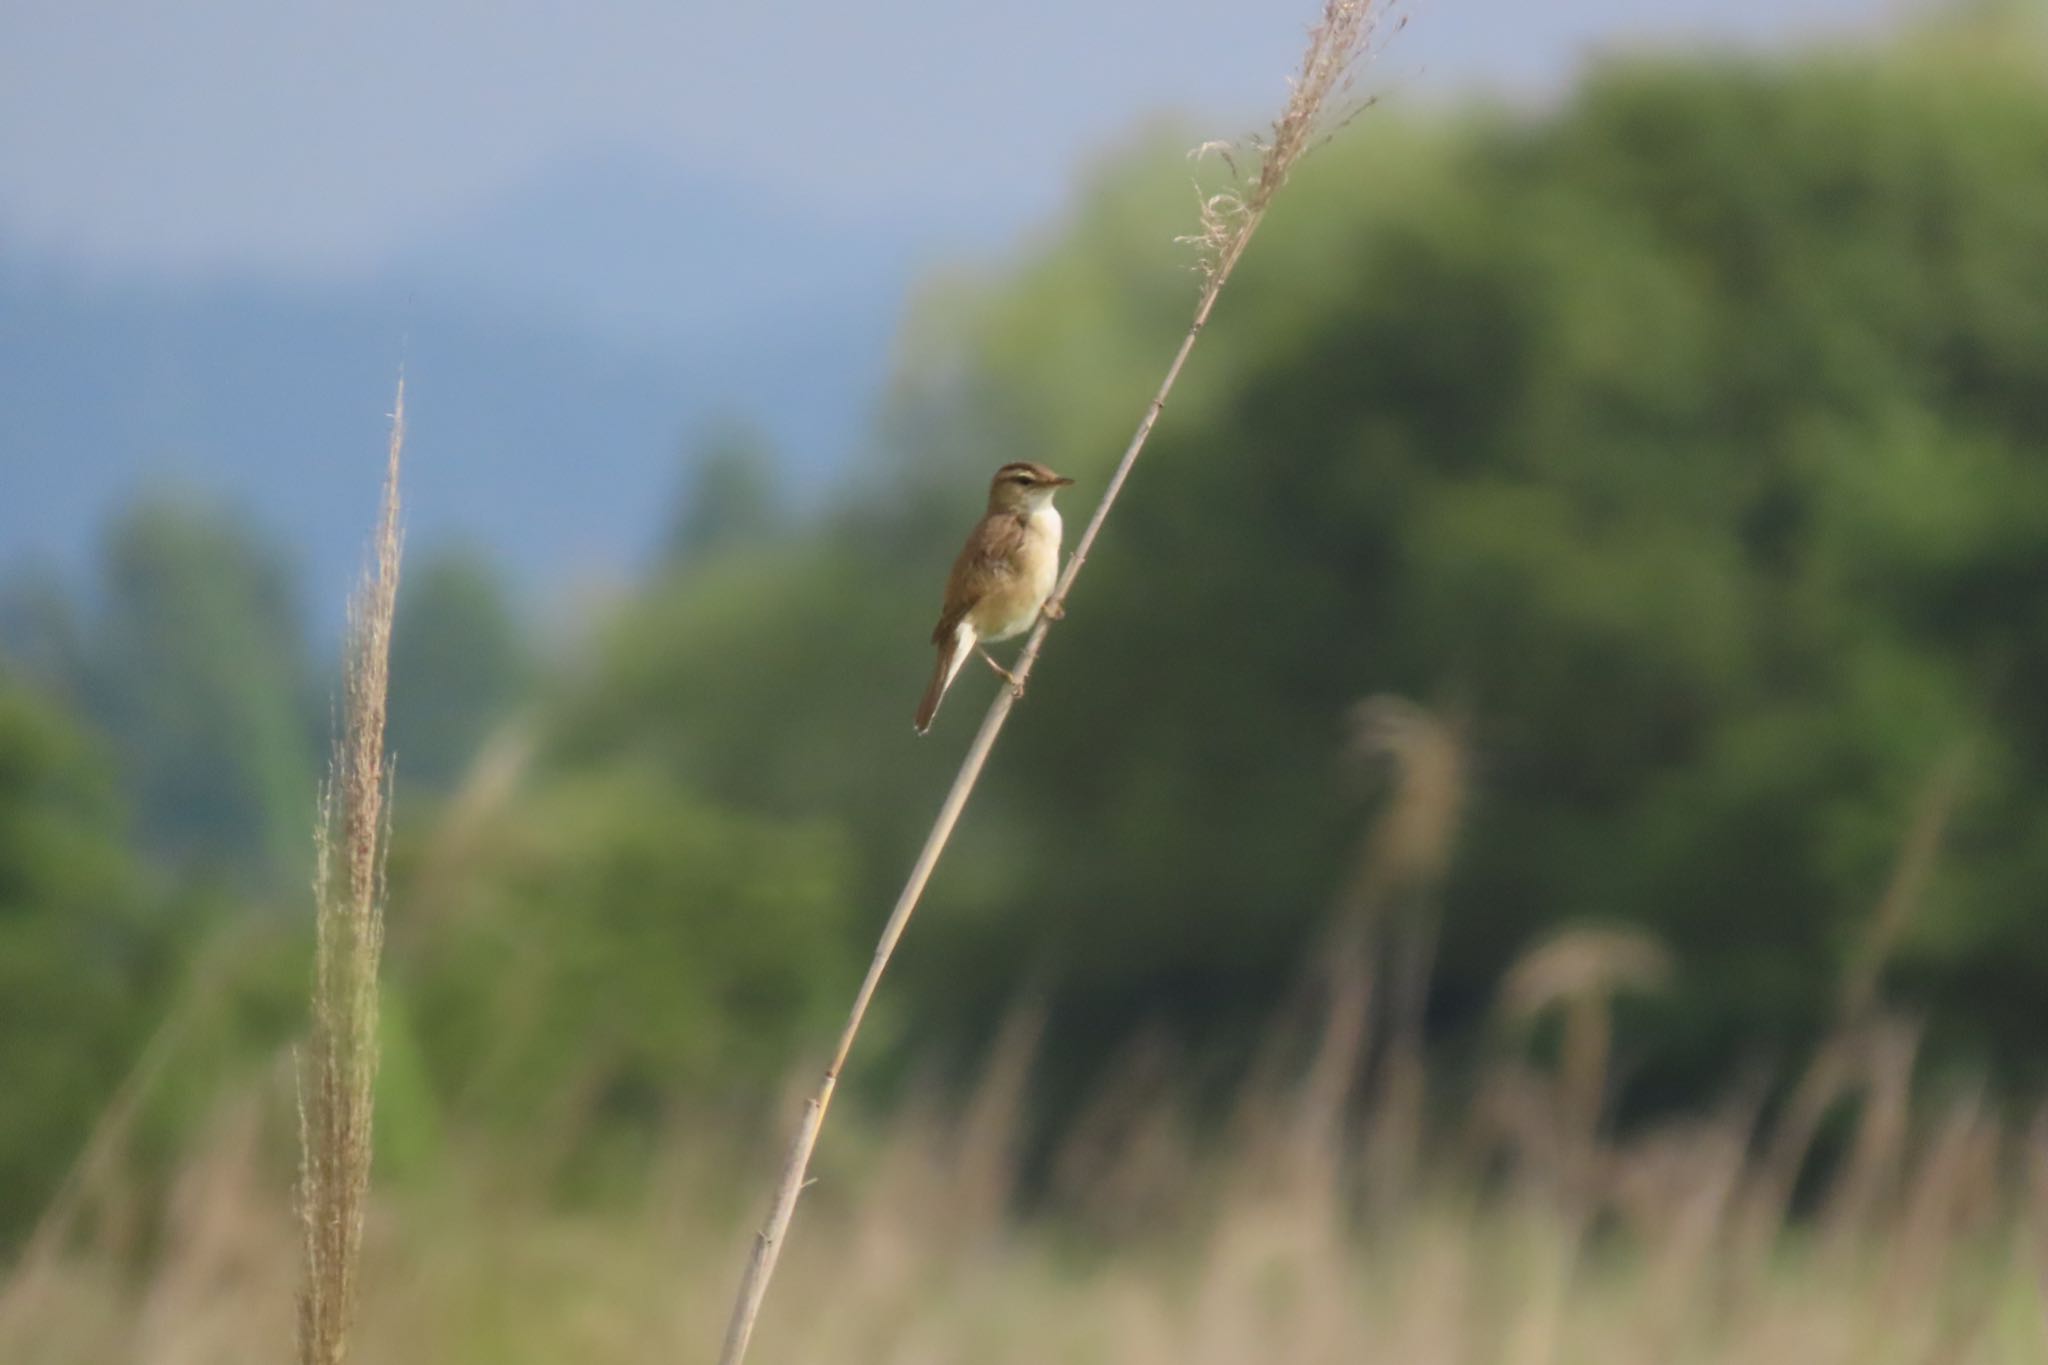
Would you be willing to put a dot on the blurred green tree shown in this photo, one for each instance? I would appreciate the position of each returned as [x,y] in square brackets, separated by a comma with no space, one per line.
[458,666]
[196,671]
[610,947]
[42,641]
[80,957]
[731,497]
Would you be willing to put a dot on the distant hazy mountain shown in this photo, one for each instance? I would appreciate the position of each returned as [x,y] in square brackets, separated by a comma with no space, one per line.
[659,256]
[559,344]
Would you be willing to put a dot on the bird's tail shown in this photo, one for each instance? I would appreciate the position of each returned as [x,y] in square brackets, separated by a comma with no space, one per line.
[952,654]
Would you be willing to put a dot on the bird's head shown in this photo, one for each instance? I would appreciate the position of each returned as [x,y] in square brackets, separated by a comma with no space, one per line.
[1023,487]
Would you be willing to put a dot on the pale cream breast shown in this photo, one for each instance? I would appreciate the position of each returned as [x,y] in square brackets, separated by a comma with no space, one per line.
[1010,609]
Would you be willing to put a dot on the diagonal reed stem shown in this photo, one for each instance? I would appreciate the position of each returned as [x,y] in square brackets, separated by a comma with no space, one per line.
[1336,43]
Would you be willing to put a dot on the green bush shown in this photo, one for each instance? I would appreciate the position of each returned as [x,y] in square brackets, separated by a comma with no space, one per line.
[610,947]
[80,957]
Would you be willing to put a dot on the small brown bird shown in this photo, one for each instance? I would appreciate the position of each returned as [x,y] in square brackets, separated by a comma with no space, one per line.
[1002,578]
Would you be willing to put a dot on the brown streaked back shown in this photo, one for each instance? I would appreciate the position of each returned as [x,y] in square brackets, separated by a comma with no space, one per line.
[986,561]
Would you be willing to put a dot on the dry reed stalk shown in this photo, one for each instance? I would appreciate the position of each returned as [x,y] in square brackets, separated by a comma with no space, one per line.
[1873,1171]
[1676,1189]
[1387,911]
[1919,850]
[339,1071]
[983,1163]
[1124,1162]
[2034,1215]
[1844,1053]
[1579,972]
[1336,44]
[1951,1193]
[1407,848]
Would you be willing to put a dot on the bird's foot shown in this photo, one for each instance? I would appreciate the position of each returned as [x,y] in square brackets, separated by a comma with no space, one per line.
[1016,683]
[1053,610]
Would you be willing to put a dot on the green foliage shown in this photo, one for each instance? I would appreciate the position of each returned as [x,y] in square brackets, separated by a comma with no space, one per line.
[458,664]
[610,944]
[79,958]
[732,499]
[195,671]
[41,641]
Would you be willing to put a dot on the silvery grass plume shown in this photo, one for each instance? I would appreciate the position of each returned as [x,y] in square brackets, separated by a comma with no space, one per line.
[338,1070]
[1340,40]
[1318,105]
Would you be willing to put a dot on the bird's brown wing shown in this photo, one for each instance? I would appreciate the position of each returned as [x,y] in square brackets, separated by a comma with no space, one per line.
[989,557]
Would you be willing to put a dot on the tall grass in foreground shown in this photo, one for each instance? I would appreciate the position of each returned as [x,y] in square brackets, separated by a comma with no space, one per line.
[1271,1239]
[1332,1214]
[1337,43]
[339,1070]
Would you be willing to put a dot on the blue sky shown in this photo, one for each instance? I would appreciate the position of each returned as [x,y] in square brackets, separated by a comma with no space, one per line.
[320,137]
[585,231]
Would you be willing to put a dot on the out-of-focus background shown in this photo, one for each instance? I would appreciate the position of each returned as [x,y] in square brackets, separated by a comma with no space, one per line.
[1531,845]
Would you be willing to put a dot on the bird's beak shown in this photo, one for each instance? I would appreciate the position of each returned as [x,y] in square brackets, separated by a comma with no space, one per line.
[1060,481]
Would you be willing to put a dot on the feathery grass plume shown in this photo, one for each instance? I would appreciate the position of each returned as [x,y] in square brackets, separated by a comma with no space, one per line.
[339,1069]
[1410,845]
[1347,32]
[1580,971]
[1407,846]
[1337,44]
[1387,912]
[1372,966]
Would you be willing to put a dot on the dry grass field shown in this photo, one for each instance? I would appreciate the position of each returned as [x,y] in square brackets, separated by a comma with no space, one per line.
[1307,1228]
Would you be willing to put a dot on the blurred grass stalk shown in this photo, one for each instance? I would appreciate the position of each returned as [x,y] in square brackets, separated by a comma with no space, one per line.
[1342,37]
[338,1072]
